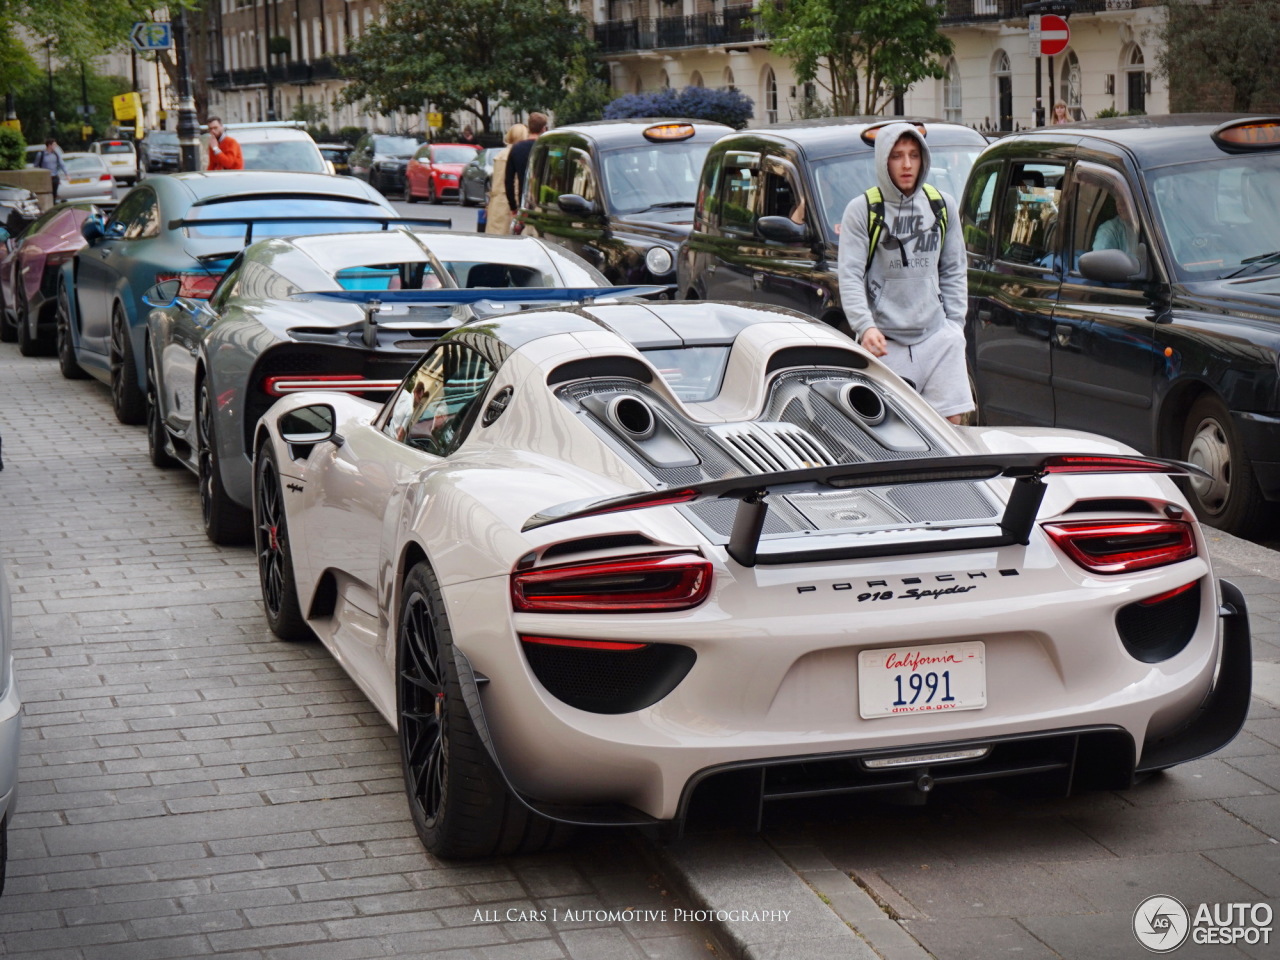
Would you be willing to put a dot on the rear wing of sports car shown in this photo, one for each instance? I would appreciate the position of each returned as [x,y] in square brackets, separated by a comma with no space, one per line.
[385,221]
[1027,470]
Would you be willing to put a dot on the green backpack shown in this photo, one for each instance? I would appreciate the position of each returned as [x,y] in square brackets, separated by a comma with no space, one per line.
[875,216]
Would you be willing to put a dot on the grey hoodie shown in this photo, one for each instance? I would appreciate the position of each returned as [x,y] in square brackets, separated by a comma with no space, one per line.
[912,288]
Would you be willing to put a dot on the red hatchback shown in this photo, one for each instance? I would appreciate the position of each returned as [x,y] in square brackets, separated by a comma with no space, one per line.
[29,269]
[435,172]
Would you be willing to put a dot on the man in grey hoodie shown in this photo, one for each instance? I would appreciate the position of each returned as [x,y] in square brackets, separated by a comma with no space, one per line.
[906,302]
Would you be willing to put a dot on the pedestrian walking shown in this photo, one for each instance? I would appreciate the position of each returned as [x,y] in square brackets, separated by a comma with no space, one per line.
[518,160]
[903,275]
[224,151]
[468,137]
[497,211]
[50,158]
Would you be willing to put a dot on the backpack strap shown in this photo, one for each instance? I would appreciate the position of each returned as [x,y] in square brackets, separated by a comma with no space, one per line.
[875,221]
[939,208]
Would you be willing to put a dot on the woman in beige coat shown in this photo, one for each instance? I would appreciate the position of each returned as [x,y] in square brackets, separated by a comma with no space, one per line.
[497,212]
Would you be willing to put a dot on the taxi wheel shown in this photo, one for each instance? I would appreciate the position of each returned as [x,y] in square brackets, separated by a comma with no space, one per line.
[127,398]
[1229,498]
[275,558]
[459,802]
[66,349]
[225,521]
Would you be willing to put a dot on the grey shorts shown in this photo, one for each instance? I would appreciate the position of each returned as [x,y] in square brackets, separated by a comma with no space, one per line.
[937,368]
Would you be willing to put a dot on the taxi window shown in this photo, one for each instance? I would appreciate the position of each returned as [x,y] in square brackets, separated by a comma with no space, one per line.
[1105,217]
[435,406]
[979,207]
[555,176]
[739,186]
[708,210]
[1028,232]
[780,196]
[581,180]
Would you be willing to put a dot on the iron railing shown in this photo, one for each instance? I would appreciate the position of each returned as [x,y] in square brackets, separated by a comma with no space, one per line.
[700,30]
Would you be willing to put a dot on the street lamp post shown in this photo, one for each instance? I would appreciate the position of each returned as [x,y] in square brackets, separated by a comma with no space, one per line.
[188,125]
[53,115]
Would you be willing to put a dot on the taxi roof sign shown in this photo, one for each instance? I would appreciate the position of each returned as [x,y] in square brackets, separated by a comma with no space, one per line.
[1252,133]
[869,134]
[670,131]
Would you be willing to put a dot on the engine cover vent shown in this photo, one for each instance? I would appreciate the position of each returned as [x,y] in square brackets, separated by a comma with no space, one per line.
[772,446]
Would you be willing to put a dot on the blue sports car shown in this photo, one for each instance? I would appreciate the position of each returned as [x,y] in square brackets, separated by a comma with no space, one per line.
[186,227]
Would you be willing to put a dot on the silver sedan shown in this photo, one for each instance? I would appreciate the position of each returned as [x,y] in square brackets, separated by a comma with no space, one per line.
[87,178]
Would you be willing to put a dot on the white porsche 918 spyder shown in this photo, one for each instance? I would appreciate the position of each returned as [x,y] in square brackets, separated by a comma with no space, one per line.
[601,564]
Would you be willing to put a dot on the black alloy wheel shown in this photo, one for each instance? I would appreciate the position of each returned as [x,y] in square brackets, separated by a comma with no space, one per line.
[275,562]
[460,804]
[225,521]
[67,364]
[127,398]
[157,435]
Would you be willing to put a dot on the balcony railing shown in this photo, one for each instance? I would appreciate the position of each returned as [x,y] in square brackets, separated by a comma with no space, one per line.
[979,11]
[701,30]
[294,72]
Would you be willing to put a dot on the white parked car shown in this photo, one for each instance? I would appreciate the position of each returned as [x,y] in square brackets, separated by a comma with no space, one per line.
[273,146]
[10,725]
[603,564]
[121,157]
[87,178]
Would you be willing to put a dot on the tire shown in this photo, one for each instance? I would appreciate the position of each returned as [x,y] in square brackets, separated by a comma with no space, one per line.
[431,191]
[459,803]
[275,560]
[1231,501]
[225,521]
[127,398]
[27,344]
[65,349]
[8,331]
[464,199]
[156,432]
[408,192]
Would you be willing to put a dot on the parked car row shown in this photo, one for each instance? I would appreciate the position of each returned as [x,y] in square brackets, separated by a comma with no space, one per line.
[715,549]
[1169,344]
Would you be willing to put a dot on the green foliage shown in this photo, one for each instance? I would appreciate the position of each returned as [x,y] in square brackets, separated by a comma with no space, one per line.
[13,149]
[309,113]
[31,100]
[349,134]
[467,55]
[79,29]
[870,47]
[279,45]
[1230,48]
[587,93]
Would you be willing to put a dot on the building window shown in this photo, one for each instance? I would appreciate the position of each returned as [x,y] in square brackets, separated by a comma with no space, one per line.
[728,79]
[770,90]
[1071,86]
[1002,92]
[695,79]
[951,99]
[1135,81]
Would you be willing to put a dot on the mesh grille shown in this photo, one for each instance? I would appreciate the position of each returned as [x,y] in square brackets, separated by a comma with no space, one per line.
[841,511]
[719,514]
[609,681]
[942,501]
[1159,631]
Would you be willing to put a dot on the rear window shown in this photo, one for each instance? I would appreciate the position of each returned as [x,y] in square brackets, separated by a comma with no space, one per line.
[117,148]
[297,156]
[285,207]
[417,275]
[694,374]
[473,274]
[84,165]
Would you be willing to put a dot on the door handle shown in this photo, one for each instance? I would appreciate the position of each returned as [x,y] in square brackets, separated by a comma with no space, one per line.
[757,281]
[1062,334]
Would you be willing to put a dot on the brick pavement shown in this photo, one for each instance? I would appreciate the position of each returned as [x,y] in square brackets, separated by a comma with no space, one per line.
[193,787]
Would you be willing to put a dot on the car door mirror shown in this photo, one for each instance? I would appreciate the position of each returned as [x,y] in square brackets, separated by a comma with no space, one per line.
[575,205]
[1109,266]
[308,425]
[92,230]
[163,294]
[782,230]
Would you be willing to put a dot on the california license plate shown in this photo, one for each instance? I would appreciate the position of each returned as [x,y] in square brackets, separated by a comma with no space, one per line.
[923,679]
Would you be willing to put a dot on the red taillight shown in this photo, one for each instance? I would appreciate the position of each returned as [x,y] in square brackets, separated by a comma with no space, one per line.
[616,646]
[346,382]
[1122,546]
[629,585]
[1101,464]
[105,176]
[195,286]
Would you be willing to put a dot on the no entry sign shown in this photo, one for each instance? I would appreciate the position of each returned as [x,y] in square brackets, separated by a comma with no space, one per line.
[1054,35]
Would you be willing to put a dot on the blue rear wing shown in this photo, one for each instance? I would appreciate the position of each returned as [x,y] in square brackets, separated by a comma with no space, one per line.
[473,295]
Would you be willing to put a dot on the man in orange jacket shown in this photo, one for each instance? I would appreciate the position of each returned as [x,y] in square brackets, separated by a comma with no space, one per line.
[224,152]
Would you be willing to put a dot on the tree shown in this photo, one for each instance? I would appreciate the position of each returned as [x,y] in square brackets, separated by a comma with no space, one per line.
[695,103]
[31,100]
[1228,43]
[870,48]
[467,55]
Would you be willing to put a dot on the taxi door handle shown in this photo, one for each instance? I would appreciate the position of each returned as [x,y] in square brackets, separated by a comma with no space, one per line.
[1062,334]
[757,281]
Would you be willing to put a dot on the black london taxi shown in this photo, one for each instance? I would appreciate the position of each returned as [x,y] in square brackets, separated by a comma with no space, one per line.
[619,193]
[766,226]
[1124,278]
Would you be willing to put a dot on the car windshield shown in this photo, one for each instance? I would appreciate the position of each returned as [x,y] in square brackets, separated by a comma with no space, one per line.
[163,139]
[840,179]
[298,156]
[652,176]
[453,154]
[397,146]
[693,373]
[285,207]
[1218,216]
